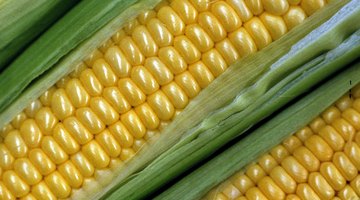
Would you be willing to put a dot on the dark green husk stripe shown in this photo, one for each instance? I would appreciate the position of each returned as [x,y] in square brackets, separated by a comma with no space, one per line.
[21,21]
[264,138]
[75,27]
[305,65]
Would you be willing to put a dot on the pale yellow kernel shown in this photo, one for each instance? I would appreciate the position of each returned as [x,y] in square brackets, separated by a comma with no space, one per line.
[345,166]
[276,7]
[107,44]
[294,2]
[5,130]
[305,192]
[42,191]
[6,159]
[104,177]
[283,180]
[161,105]
[152,134]
[158,69]
[95,154]
[355,185]
[65,140]
[62,82]
[132,93]
[58,185]
[15,184]
[82,164]
[147,116]
[143,78]
[61,105]
[131,51]
[185,10]
[311,6]
[31,133]
[348,193]
[212,26]
[118,62]
[116,99]
[91,186]
[228,51]
[18,120]
[241,198]
[344,102]
[241,9]
[332,137]
[330,114]
[27,171]
[46,120]
[255,173]
[5,193]
[77,93]
[91,84]
[41,161]
[144,41]
[130,26]
[16,144]
[292,197]
[267,162]
[71,174]
[292,143]
[242,182]
[32,108]
[304,133]
[163,125]
[201,74]
[28,197]
[279,153]
[176,95]
[171,20]
[220,196]
[346,130]
[96,54]
[258,32]
[104,110]
[352,150]
[138,144]
[52,149]
[172,59]
[230,191]
[295,169]
[146,16]
[356,105]
[307,159]
[255,194]
[75,73]
[321,186]
[121,134]
[126,154]
[199,37]
[269,188]
[332,175]
[214,61]
[159,32]
[319,148]
[104,73]
[201,5]
[274,24]
[357,138]
[108,142]
[187,49]
[90,120]
[255,6]
[226,15]
[353,117]
[133,123]
[243,42]
[116,164]
[77,130]
[294,16]
[46,97]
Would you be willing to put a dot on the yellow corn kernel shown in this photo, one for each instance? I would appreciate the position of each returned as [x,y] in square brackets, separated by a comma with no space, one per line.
[274,24]
[228,51]
[294,16]
[46,120]
[243,42]
[355,185]
[65,140]
[305,192]
[185,10]
[276,7]
[42,191]
[308,159]
[256,6]
[82,164]
[187,49]
[345,166]
[53,150]
[320,186]
[176,95]
[310,6]
[28,197]
[201,5]
[214,61]
[343,127]
[230,191]
[171,20]
[242,182]
[71,174]
[131,92]
[91,84]
[121,134]
[147,116]
[95,154]
[161,105]
[18,120]
[104,111]
[126,154]
[77,130]
[201,74]
[344,102]
[77,93]
[255,193]
[267,162]
[283,180]
[143,78]
[352,150]
[334,139]
[146,16]
[292,143]
[133,123]
[332,175]
[353,117]
[226,15]
[258,32]
[104,73]
[319,148]
[15,184]
[188,83]
[255,173]
[96,54]
[212,26]
[6,159]
[30,132]
[118,62]
[144,41]
[41,161]
[347,193]
[74,74]
[241,9]
[45,98]
[27,171]
[57,185]
[116,99]
[107,44]
[131,51]
[32,108]
[138,144]
[292,197]
[108,143]
[90,120]
[158,69]
[159,32]
[5,193]
[199,37]
[279,153]
[172,59]
[295,169]
[270,189]
[304,133]
[16,144]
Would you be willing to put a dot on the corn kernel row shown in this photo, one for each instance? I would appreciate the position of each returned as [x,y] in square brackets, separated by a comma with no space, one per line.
[101,114]
[320,161]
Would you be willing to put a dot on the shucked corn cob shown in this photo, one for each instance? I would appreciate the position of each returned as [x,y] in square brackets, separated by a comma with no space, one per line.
[320,161]
[96,118]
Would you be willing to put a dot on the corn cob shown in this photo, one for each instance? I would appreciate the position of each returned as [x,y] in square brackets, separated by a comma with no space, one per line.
[320,161]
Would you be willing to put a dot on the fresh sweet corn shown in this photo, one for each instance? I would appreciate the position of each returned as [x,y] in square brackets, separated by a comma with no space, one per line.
[100,115]
[320,161]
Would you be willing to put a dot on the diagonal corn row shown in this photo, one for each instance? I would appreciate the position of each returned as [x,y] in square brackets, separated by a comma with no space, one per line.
[100,115]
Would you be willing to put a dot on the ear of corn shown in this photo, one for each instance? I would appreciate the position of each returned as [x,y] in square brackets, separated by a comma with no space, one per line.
[86,127]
